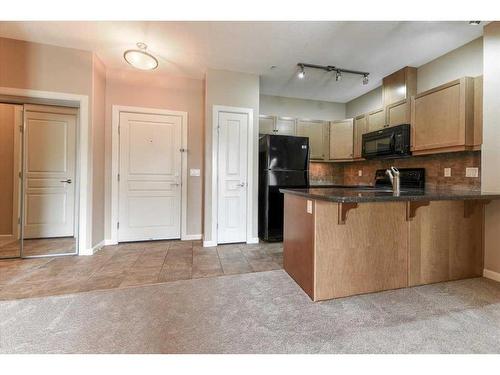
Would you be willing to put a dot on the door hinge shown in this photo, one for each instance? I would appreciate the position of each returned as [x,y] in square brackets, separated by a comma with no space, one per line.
[20,175]
[118,225]
[183,150]
[19,220]
[118,177]
[118,129]
[21,128]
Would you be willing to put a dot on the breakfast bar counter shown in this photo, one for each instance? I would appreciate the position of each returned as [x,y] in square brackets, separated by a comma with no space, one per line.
[344,241]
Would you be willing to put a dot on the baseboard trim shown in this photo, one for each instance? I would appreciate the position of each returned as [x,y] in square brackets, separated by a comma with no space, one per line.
[489,274]
[209,243]
[253,240]
[192,237]
[6,236]
[110,242]
[96,248]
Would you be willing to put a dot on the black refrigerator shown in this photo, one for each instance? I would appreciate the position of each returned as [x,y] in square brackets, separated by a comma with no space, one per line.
[283,162]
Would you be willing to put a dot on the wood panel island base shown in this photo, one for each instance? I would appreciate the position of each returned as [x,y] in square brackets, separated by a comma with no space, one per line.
[343,242]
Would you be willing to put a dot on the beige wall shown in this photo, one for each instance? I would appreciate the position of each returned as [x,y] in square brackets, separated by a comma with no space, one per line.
[301,108]
[368,102]
[7,121]
[490,153]
[98,120]
[42,67]
[151,90]
[236,90]
[466,60]
[461,62]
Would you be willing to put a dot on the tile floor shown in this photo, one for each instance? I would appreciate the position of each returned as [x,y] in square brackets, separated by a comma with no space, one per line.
[38,246]
[133,264]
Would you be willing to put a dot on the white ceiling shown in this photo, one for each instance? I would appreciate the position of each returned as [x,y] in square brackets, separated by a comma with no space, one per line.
[189,48]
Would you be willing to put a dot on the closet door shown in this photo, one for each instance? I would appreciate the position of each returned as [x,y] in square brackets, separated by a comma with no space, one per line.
[10,182]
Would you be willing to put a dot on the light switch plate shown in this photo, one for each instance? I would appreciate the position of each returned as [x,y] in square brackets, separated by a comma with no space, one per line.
[194,172]
[360,172]
[309,207]
[447,172]
[471,172]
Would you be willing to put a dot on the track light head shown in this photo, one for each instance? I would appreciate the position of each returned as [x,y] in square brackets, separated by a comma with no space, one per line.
[302,73]
[365,79]
[338,75]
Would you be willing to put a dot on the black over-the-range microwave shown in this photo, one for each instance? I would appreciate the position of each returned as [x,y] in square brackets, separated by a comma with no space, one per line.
[393,142]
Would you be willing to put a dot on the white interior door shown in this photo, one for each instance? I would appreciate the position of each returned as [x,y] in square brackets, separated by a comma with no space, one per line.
[150,177]
[232,177]
[49,167]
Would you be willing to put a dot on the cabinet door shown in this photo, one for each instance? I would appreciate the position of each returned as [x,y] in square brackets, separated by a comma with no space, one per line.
[398,113]
[446,242]
[285,126]
[316,132]
[266,124]
[376,120]
[443,117]
[400,85]
[360,127]
[341,140]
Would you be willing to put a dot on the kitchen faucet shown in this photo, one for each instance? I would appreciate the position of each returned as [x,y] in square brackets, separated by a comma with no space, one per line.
[393,174]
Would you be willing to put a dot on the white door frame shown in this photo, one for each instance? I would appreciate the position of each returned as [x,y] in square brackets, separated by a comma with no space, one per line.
[83,189]
[216,109]
[115,163]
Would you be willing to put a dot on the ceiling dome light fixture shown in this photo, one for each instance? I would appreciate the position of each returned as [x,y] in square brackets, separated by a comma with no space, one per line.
[140,59]
[302,73]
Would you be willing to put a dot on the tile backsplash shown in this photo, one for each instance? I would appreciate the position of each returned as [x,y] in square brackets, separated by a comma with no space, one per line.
[348,173]
[326,173]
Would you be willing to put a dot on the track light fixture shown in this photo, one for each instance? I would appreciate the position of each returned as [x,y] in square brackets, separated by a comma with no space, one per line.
[474,23]
[302,73]
[329,68]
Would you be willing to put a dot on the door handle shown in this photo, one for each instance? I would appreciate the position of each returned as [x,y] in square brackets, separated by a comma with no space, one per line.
[175,184]
[241,185]
[68,181]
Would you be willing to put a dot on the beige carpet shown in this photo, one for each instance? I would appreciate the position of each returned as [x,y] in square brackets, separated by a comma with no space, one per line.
[262,312]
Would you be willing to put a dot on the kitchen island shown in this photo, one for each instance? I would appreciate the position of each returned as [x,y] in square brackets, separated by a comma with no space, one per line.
[340,242]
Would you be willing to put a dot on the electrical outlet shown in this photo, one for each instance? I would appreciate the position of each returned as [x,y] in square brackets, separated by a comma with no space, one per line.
[360,172]
[447,172]
[471,172]
[309,207]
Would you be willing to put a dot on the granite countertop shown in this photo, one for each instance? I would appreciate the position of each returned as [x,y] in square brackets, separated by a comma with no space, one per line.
[357,194]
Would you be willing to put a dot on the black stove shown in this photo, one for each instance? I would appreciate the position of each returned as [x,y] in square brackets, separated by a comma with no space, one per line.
[411,178]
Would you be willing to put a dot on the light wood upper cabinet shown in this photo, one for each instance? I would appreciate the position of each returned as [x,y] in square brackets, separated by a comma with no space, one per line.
[317,133]
[285,126]
[398,113]
[360,127]
[266,124]
[478,111]
[341,140]
[399,85]
[375,120]
[443,118]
